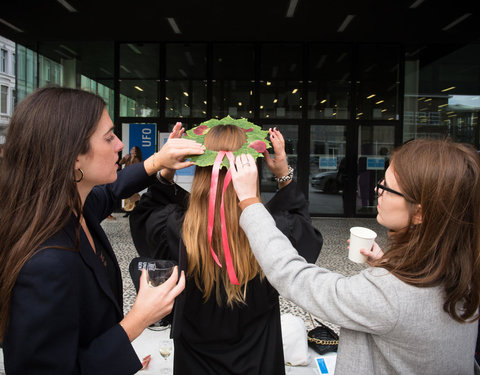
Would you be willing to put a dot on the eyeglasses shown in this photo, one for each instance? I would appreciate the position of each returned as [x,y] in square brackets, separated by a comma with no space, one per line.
[380,188]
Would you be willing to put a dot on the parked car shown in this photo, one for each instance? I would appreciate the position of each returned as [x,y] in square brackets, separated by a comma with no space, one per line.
[326,182]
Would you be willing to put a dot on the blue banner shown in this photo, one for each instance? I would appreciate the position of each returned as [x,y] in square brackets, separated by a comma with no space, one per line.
[143,136]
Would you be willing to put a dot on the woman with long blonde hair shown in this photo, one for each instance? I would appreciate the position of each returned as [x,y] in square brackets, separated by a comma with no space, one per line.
[230,321]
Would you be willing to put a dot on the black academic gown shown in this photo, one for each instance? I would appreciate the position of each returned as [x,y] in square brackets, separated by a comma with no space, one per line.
[213,339]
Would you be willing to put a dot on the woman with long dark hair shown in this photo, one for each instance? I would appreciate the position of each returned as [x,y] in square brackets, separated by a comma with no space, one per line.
[415,311]
[230,320]
[60,283]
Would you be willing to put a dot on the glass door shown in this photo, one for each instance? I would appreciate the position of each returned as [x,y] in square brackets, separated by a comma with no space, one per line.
[375,145]
[327,169]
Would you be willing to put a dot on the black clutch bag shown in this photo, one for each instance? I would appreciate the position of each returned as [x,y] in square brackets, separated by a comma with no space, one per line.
[322,339]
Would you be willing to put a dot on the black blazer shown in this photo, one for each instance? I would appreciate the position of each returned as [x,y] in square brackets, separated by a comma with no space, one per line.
[64,316]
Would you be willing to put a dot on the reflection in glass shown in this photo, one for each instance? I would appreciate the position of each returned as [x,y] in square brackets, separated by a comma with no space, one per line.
[328,100]
[329,83]
[186,84]
[26,72]
[102,89]
[233,80]
[138,98]
[379,84]
[281,81]
[375,145]
[280,99]
[441,96]
[327,169]
[439,116]
[234,98]
[140,60]
[186,98]
[50,72]
[186,60]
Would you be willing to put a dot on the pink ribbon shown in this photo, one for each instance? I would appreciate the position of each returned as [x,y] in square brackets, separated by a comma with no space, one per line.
[211,213]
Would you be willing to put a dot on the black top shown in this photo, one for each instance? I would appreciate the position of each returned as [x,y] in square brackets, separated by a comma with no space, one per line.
[213,339]
[109,265]
[64,317]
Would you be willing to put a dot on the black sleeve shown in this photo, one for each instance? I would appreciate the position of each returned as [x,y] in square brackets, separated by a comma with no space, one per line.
[289,208]
[104,198]
[156,221]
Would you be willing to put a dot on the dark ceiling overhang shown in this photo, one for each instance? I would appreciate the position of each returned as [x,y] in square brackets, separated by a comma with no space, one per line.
[374,21]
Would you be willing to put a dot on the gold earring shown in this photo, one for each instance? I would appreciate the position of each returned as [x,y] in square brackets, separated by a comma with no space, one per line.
[81,178]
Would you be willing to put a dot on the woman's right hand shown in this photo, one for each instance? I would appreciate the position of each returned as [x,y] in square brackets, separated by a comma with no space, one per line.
[177,132]
[244,177]
[152,303]
[173,154]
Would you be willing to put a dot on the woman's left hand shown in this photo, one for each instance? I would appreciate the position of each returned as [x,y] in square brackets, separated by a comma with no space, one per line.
[244,177]
[374,253]
[277,165]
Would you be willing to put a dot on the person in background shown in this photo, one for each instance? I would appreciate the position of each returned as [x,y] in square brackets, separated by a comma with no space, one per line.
[230,320]
[60,283]
[135,156]
[415,310]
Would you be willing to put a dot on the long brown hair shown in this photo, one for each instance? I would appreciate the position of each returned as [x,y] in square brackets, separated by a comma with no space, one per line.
[444,249]
[47,132]
[201,265]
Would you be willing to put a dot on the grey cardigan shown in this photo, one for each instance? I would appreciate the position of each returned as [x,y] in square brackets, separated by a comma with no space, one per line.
[387,326]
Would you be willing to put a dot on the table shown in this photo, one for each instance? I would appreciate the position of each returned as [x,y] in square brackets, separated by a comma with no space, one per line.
[147,343]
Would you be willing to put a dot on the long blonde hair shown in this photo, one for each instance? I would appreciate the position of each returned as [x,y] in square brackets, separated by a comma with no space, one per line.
[201,266]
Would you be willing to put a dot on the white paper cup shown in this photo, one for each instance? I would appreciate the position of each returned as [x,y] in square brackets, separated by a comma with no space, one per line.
[360,238]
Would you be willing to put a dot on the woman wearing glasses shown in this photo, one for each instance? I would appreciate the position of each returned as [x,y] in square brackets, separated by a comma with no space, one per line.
[415,310]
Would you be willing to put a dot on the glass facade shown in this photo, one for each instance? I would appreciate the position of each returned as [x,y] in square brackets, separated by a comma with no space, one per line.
[186,80]
[378,84]
[329,82]
[281,81]
[233,80]
[442,97]
[26,72]
[341,107]
[139,79]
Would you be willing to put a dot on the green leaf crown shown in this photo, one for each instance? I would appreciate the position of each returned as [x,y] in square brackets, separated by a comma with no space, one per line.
[255,135]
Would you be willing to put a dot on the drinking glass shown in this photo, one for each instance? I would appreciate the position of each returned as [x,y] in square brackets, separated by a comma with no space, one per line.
[165,348]
[158,271]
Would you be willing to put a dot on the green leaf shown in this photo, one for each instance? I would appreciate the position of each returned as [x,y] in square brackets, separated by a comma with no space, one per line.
[208,157]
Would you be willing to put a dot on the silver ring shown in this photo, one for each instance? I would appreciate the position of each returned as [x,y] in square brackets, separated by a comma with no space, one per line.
[247,164]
